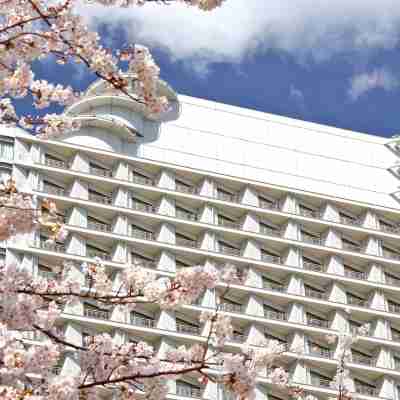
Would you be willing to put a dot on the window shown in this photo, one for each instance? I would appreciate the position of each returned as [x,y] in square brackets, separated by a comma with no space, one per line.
[6,148]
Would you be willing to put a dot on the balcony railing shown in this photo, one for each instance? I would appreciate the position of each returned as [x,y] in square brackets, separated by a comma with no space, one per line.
[99,226]
[180,241]
[233,198]
[187,391]
[389,229]
[185,188]
[186,328]
[145,263]
[142,180]
[59,248]
[318,351]
[349,273]
[57,191]
[349,221]
[55,163]
[271,258]
[318,322]
[229,224]
[390,254]
[107,173]
[98,198]
[230,307]
[266,230]
[320,381]
[98,254]
[309,213]
[278,315]
[268,205]
[392,280]
[351,247]
[99,314]
[141,234]
[394,308]
[232,251]
[362,359]
[366,390]
[311,239]
[143,207]
[186,215]
[355,301]
[316,294]
[311,266]
[142,321]
[273,286]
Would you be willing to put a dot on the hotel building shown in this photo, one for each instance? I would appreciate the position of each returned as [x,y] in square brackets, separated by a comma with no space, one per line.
[309,214]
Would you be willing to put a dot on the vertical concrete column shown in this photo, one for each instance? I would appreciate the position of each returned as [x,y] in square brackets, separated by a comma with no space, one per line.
[377,300]
[29,263]
[22,151]
[292,256]
[166,233]
[335,265]
[79,189]
[77,217]
[165,345]
[254,277]
[166,179]
[332,238]
[121,170]
[166,206]
[370,220]
[251,249]
[296,313]
[121,197]
[37,153]
[330,212]
[207,214]
[380,328]
[299,373]
[372,246]
[210,391]
[297,342]
[120,337]
[33,182]
[80,162]
[383,357]
[376,273]
[76,245]
[387,387]
[255,334]
[208,188]
[209,241]
[249,196]
[119,252]
[119,225]
[250,223]
[290,204]
[337,293]
[76,274]
[340,321]
[120,314]
[292,230]
[295,285]
[166,261]
[254,306]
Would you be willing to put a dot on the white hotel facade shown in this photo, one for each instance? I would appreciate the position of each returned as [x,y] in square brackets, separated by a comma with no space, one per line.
[309,213]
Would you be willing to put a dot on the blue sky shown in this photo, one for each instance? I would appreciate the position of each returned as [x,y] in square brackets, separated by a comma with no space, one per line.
[328,62]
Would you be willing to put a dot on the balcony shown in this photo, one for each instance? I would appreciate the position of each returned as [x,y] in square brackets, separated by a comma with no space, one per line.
[182,188]
[275,314]
[314,293]
[106,173]
[225,196]
[99,314]
[142,234]
[346,220]
[390,254]
[389,229]
[363,359]
[392,280]
[312,266]
[354,274]
[51,162]
[311,239]
[318,351]
[395,335]
[393,307]
[184,214]
[186,390]
[98,198]
[366,389]
[268,205]
[139,206]
[351,247]
[305,212]
[51,189]
[231,307]
[318,322]
[228,224]
[142,180]
[57,247]
[145,322]
[270,258]
[187,328]
[232,251]
[185,242]
[99,226]
[322,381]
[266,230]
[270,285]
[98,254]
[356,301]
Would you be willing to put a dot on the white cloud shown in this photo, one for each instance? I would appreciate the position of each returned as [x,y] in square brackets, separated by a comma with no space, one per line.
[377,78]
[303,28]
